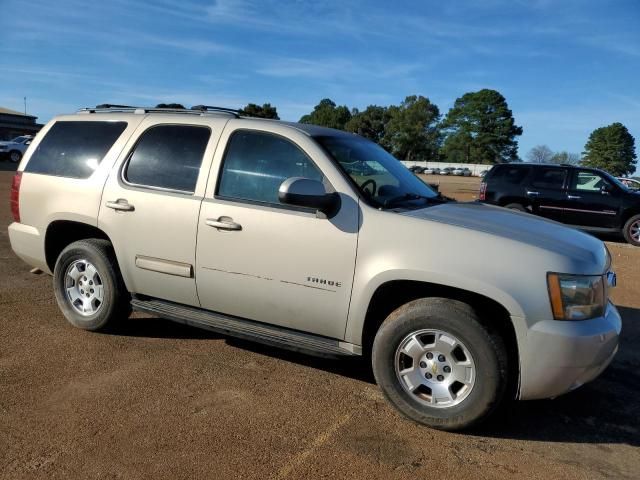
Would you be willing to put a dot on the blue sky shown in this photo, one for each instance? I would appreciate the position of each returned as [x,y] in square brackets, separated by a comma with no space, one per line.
[565,67]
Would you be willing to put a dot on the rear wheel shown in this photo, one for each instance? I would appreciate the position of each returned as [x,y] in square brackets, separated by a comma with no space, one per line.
[438,365]
[631,230]
[88,286]
[516,206]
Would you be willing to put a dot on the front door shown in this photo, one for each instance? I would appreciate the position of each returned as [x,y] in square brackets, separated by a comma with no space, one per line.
[265,261]
[546,192]
[592,201]
[150,208]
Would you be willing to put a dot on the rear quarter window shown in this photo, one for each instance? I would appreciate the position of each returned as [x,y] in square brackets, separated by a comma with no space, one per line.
[74,149]
[509,175]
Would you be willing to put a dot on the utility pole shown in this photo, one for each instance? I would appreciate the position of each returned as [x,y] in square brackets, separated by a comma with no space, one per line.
[25,105]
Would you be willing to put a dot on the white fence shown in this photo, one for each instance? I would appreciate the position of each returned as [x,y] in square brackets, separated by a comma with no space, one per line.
[475,168]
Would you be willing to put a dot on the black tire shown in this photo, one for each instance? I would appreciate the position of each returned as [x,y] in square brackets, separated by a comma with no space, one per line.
[115,304]
[517,206]
[459,320]
[15,156]
[630,228]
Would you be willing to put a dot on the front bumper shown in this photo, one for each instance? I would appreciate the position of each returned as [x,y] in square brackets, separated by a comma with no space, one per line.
[560,356]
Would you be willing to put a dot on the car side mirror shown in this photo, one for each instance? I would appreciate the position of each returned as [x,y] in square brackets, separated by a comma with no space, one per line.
[305,192]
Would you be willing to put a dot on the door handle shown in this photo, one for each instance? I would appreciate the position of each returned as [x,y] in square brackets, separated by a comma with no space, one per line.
[223,223]
[574,197]
[532,194]
[121,204]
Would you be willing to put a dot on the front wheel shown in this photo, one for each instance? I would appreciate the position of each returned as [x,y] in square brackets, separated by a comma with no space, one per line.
[15,156]
[88,286]
[631,230]
[438,365]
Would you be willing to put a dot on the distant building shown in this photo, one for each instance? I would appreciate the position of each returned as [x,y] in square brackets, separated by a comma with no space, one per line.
[13,124]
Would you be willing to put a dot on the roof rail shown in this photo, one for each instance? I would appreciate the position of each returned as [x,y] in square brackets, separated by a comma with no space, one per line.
[197,110]
[207,108]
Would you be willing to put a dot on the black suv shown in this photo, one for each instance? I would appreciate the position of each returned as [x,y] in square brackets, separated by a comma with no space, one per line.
[586,198]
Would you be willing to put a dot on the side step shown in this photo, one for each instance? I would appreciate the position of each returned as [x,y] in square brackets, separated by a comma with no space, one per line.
[246,329]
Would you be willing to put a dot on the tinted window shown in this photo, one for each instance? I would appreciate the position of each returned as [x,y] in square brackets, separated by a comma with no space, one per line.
[549,177]
[508,174]
[256,163]
[588,182]
[168,156]
[74,149]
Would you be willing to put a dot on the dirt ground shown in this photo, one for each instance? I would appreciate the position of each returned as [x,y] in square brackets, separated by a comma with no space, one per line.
[161,400]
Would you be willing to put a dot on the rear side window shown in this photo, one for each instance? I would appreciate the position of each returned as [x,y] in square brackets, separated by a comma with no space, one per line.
[549,178]
[74,149]
[168,156]
[510,175]
[256,163]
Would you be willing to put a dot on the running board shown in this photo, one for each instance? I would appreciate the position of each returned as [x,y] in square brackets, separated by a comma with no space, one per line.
[247,329]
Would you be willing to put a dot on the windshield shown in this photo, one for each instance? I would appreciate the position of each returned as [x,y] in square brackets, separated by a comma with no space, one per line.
[19,139]
[379,176]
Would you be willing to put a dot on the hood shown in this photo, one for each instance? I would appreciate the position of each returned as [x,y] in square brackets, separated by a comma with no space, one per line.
[521,227]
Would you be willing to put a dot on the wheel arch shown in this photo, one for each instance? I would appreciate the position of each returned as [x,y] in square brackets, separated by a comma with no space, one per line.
[628,213]
[495,316]
[61,233]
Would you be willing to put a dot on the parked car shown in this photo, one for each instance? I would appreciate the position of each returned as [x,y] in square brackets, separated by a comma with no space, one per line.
[14,149]
[416,169]
[446,171]
[251,228]
[586,198]
[431,171]
[462,172]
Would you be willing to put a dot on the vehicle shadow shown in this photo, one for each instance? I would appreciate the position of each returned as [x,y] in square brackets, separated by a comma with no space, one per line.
[606,410]
[146,326]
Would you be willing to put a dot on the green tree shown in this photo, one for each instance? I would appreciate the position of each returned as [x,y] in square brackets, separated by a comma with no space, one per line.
[369,123]
[328,114]
[566,158]
[170,105]
[480,129]
[264,111]
[412,131]
[540,154]
[611,148]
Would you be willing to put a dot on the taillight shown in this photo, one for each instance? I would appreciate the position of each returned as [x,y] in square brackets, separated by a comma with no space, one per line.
[483,191]
[15,196]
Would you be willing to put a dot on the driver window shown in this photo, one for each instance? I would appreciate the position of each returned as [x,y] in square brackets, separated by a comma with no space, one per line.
[256,164]
[585,181]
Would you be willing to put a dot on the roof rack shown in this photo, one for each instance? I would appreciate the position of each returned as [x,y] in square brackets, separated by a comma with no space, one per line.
[196,110]
[207,108]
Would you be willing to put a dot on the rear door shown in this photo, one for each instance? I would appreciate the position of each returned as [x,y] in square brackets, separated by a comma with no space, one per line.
[546,192]
[592,200]
[151,203]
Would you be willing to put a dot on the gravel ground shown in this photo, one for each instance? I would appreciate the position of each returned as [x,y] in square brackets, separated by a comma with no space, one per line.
[161,400]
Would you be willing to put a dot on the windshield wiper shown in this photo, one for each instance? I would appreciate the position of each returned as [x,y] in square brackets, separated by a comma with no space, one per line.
[407,196]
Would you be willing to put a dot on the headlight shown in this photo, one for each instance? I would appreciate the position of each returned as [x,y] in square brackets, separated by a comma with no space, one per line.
[577,297]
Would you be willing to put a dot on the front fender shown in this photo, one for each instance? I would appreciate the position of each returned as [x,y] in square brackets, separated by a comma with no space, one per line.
[364,290]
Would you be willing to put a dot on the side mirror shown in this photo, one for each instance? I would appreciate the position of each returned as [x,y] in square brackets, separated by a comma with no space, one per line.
[304,192]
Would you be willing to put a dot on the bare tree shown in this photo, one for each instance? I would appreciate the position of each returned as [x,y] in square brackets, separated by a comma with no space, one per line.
[540,154]
[566,158]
